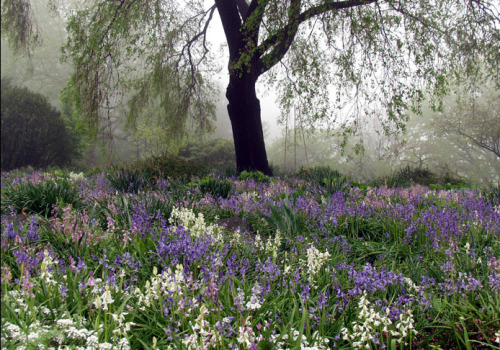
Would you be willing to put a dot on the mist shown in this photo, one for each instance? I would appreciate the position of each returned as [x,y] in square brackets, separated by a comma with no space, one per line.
[448,142]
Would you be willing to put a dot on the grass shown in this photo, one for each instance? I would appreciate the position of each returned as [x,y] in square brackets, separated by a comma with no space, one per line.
[329,263]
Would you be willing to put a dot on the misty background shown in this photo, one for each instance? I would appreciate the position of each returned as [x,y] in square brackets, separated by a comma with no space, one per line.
[461,140]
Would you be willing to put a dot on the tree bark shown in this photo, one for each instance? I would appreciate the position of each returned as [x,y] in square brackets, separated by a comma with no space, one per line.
[245,116]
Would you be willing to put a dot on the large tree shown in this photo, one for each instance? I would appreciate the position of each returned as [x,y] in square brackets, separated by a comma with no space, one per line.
[381,56]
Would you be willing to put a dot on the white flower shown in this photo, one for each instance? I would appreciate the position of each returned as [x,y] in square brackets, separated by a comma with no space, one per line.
[76,334]
[258,242]
[33,336]
[105,300]
[195,224]
[64,322]
[74,176]
[467,247]
[272,245]
[123,344]
[371,321]
[315,260]
[245,336]
[254,303]
[93,341]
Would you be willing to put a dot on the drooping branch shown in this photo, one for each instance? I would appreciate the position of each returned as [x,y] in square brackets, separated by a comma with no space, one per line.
[19,26]
[188,46]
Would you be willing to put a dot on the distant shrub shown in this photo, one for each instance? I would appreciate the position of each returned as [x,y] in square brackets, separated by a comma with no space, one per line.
[318,173]
[407,176]
[217,154]
[168,165]
[33,132]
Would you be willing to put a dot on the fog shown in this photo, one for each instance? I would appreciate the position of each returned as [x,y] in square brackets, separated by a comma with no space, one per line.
[447,142]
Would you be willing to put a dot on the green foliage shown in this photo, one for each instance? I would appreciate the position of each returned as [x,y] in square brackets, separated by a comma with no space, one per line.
[161,90]
[448,186]
[128,180]
[407,176]
[368,255]
[217,188]
[18,26]
[33,132]
[361,185]
[329,179]
[39,198]
[153,140]
[215,153]
[257,176]
[169,165]
[492,193]
[286,218]
[318,173]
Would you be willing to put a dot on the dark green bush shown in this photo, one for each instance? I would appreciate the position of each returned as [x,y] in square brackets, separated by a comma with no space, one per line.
[33,132]
[168,165]
[39,198]
[407,176]
[215,153]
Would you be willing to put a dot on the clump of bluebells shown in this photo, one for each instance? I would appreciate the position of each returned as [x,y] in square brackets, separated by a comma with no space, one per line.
[159,269]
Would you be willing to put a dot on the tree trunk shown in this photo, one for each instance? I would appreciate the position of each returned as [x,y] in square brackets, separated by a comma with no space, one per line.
[244,112]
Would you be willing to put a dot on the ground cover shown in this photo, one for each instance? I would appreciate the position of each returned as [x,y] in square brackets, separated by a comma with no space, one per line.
[335,264]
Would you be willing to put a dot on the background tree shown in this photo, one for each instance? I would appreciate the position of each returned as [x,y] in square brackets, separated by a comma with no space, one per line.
[474,117]
[33,132]
[381,55]
[462,138]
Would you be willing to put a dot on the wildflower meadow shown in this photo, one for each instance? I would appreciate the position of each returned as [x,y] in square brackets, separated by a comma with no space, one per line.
[246,262]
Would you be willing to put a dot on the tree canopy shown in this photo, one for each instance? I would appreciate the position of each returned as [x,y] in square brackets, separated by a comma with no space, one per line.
[339,60]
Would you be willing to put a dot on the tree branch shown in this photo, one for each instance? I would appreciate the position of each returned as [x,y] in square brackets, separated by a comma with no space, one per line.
[284,38]
[231,22]
[188,45]
[242,8]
